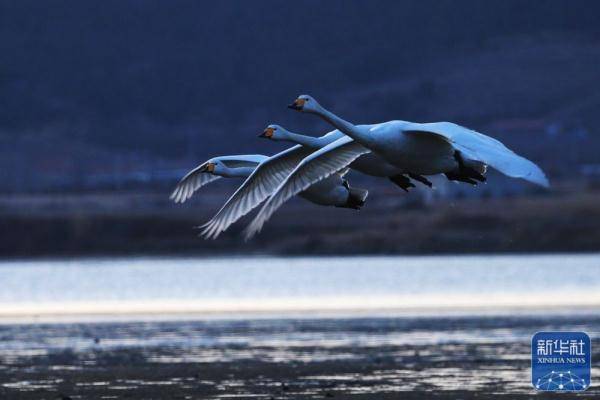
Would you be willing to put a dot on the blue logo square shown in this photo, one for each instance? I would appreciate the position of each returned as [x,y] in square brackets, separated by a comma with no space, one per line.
[561,361]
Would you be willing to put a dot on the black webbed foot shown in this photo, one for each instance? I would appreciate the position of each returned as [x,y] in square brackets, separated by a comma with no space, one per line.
[455,176]
[422,179]
[402,181]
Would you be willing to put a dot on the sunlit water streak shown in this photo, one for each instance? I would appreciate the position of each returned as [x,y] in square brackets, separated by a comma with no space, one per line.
[262,285]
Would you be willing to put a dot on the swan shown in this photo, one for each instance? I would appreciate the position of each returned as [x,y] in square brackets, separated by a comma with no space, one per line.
[262,178]
[431,148]
[368,164]
[213,169]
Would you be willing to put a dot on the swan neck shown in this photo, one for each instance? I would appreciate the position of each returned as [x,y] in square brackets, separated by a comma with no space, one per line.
[240,172]
[342,125]
[304,140]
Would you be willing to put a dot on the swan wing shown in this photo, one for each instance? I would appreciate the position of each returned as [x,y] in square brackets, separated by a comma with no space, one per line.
[191,182]
[256,188]
[480,147]
[319,165]
[197,178]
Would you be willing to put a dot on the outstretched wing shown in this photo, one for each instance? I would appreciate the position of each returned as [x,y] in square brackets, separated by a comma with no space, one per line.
[314,168]
[191,182]
[479,147]
[256,188]
[197,177]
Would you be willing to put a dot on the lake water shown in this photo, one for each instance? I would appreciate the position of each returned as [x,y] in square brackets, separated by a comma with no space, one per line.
[168,287]
[244,327]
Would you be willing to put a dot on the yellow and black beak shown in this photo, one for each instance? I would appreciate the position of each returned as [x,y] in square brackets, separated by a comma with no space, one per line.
[298,104]
[267,133]
[208,167]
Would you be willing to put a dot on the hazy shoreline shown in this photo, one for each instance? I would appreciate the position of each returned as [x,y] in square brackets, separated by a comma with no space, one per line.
[149,225]
[259,255]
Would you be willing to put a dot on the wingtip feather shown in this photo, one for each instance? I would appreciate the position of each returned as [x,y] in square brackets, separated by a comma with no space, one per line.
[538,176]
[252,230]
[544,182]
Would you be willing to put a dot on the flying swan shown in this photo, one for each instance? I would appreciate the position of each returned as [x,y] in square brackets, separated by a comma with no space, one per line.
[264,178]
[425,149]
[368,164]
[239,166]
[270,173]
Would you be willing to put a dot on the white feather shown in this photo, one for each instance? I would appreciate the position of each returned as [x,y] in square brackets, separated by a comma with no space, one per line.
[197,178]
[479,147]
[191,182]
[314,168]
[255,189]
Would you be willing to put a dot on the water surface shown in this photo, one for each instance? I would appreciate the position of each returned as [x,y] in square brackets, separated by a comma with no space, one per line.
[310,284]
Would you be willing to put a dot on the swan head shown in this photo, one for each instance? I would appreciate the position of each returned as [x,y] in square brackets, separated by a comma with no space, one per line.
[305,103]
[274,132]
[211,167]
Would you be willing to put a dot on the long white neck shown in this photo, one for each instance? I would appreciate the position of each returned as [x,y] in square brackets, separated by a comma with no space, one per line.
[240,172]
[346,127]
[305,140]
[359,134]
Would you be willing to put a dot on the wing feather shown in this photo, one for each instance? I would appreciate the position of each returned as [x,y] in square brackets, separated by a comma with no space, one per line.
[255,189]
[191,182]
[196,178]
[314,168]
[480,147]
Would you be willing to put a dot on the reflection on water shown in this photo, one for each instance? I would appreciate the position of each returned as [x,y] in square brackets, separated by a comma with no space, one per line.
[324,334]
[463,356]
[265,358]
[280,285]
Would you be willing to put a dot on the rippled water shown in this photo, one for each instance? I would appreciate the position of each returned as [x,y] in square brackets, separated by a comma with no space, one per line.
[462,354]
[273,358]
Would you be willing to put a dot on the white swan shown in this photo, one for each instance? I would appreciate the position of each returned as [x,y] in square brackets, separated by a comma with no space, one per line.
[368,164]
[442,147]
[432,148]
[213,169]
[262,178]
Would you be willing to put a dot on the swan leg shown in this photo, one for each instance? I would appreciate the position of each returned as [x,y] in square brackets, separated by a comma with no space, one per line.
[402,181]
[422,179]
[457,176]
[464,173]
[476,175]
